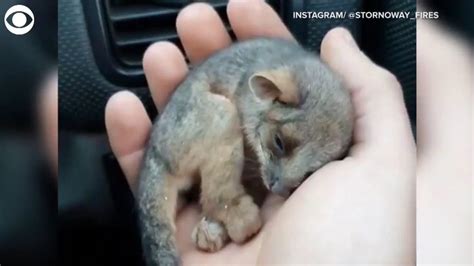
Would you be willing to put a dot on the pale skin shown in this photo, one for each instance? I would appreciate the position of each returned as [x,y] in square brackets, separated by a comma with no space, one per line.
[363,203]
[48,117]
[444,169]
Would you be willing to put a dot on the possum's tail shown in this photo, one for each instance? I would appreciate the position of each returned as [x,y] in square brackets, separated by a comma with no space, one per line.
[157,198]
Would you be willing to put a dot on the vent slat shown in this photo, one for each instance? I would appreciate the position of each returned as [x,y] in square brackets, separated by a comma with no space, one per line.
[134,26]
[138,12]
[132,55]
[140,38]
[147,11]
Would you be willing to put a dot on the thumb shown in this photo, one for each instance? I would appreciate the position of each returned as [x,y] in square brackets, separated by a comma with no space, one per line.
[381,119]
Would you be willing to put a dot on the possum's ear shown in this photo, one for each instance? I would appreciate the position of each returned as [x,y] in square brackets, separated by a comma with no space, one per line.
[274,85]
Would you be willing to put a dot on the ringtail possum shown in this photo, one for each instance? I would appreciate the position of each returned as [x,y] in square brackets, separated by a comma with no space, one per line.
[266,99]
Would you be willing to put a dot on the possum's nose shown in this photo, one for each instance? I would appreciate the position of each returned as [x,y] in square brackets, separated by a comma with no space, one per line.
[272,181]
[277,188]
[280,190]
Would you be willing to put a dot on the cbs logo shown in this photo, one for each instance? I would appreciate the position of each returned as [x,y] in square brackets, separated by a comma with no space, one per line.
[19,20]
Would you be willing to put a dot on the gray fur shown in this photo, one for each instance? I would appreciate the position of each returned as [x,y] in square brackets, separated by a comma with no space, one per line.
[321,123]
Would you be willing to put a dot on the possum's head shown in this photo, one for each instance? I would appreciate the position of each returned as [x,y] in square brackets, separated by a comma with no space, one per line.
[301,120]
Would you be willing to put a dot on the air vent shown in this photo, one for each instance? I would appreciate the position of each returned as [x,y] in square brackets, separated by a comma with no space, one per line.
[134,26]
[121,30]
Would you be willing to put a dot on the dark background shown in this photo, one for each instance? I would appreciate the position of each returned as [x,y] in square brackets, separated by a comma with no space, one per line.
[28,201]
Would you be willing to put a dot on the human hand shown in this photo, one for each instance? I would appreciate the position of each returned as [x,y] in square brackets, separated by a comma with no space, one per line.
[360,209]
[444,135]
[371,189]
[128,125]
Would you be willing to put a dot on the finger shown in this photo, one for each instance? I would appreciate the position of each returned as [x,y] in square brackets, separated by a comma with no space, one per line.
[444,141]
[128,128]
[443,114]
[201,31]
[260,20]
[165,68]
[49,119]
[380,113]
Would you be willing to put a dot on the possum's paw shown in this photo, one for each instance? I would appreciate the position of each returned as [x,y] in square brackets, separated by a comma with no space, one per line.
[243,220]
[209,235]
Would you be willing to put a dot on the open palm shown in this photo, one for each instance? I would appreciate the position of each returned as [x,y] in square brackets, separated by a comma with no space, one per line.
[360,209]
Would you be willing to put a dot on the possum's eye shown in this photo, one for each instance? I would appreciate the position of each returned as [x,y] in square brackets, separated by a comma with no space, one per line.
[279,145]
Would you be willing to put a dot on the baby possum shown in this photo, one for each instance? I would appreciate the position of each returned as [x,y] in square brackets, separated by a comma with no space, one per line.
[266,94]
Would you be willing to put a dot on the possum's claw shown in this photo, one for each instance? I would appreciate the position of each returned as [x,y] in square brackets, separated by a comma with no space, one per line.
[209,235]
